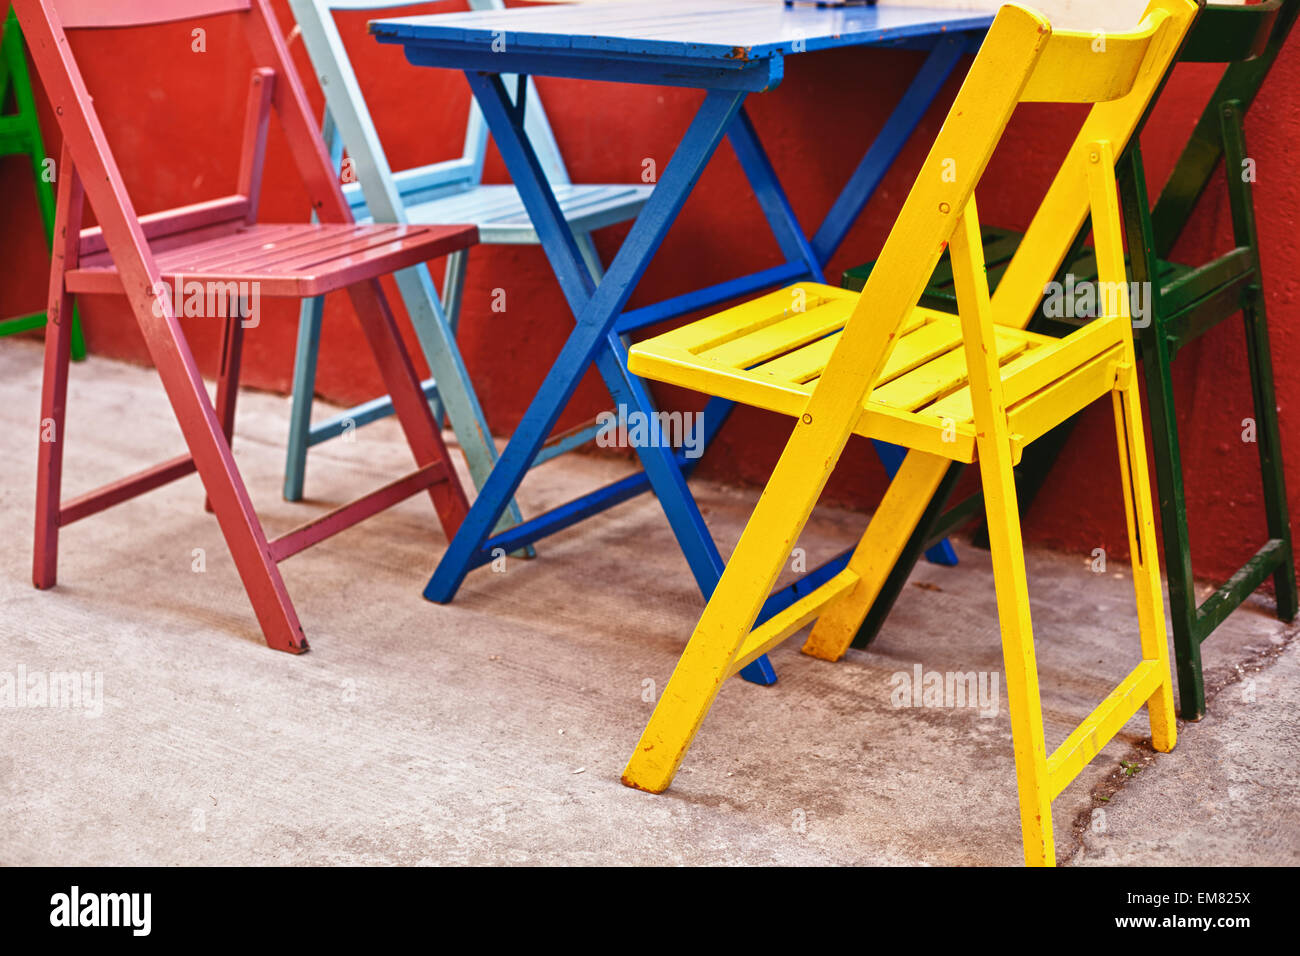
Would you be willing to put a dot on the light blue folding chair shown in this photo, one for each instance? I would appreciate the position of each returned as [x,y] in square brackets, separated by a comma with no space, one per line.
[451,191]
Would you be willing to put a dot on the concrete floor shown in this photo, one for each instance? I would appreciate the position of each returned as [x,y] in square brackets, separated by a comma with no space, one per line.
[494,730]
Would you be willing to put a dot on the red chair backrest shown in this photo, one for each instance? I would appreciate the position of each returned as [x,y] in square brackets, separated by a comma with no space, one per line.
[75,14]
[88,163]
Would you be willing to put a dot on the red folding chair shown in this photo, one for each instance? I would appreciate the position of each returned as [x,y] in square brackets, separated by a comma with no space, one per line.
[221,245]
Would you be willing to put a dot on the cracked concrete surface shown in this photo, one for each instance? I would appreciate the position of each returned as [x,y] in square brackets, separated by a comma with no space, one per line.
[493,730]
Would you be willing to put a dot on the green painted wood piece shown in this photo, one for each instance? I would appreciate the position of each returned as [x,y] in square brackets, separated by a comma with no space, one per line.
[20,135]
[1186,301]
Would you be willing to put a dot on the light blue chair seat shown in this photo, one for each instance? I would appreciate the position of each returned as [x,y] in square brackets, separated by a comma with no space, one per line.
[501,218]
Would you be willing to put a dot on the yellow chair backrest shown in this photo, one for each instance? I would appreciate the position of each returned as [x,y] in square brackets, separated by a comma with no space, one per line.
[1022,60]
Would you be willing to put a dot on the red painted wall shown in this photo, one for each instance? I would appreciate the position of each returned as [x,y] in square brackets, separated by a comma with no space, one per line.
[171,115]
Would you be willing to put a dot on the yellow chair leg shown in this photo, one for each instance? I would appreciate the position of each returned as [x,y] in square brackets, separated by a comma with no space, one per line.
[1131,440]
[696,680]
[1142,548]
[1010,581]
[764,547]
[886,536]
[1023,701]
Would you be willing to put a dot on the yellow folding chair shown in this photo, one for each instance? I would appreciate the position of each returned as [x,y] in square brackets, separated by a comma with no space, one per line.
[948,388]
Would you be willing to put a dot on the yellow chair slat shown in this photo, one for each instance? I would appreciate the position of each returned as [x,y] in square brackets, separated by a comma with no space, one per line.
[807,363]
[751,387]
[768,340]
[943,375]
[926,365]
[916,348]
[1038,414]
[1038,368]
[747,318]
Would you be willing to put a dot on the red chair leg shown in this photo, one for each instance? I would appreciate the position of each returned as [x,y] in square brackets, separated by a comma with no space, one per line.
[232,349]
[49,470]
[225,487]
[409,403]
[206,440]
[54,381]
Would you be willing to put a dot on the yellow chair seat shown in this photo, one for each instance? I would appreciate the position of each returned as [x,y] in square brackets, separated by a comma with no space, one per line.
[770,353]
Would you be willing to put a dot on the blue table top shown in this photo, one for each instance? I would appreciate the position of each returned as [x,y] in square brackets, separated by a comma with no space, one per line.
[714,32]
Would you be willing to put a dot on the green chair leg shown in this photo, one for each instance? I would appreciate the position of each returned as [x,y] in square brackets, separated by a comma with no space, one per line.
[1270,454]
[1259,355]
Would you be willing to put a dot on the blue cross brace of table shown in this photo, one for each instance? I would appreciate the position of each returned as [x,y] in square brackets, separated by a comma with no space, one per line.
[728,49]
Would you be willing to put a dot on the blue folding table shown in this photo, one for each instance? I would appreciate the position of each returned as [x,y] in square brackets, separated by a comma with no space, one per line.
[728,49]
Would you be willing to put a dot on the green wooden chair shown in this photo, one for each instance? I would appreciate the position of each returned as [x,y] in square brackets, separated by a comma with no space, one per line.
[1186,300]
[20,135]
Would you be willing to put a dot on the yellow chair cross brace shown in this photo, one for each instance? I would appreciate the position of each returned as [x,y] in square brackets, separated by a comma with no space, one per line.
[976,387]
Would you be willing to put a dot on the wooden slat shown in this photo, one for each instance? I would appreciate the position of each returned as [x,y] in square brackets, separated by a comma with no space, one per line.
[806,364]
[1065,397]
[919,348]
[794,330]
[958,406]
[502,205]
[77,14]
[1040,366]
[784,623]
[185,219]
[749,317]
[234,253]
[1102,724]
[925,375]
[679,367]
[285,255]
[945,374]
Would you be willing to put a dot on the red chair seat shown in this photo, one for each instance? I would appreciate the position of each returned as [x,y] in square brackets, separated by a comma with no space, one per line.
[298,260]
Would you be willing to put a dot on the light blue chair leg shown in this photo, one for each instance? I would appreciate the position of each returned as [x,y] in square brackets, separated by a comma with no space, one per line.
[438,341]
[303,434]
[587,247]
[452,397]
[304,390]
[310,316]
[453,289]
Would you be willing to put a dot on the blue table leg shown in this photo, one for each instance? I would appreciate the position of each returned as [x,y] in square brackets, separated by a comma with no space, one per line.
[595,309]
[771,196]
[594,338]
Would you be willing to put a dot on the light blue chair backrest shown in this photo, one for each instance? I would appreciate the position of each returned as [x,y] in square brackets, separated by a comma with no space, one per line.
[378,191]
